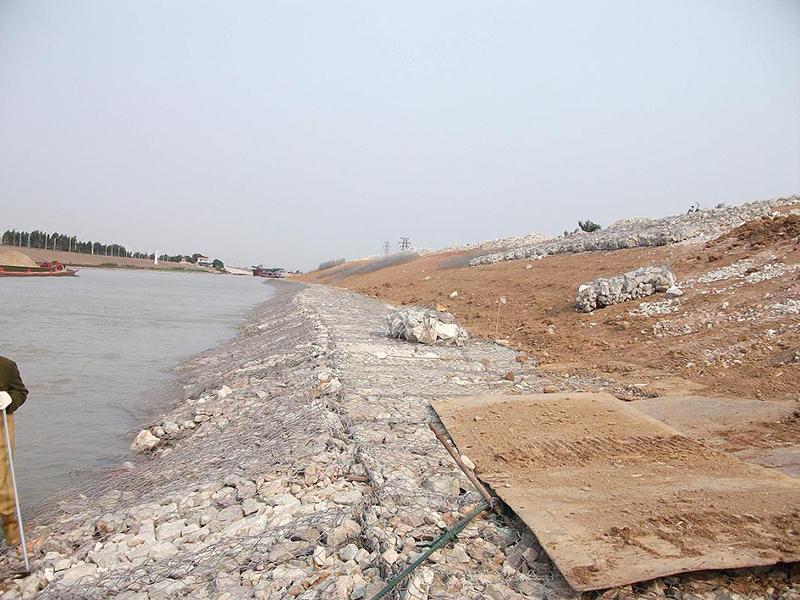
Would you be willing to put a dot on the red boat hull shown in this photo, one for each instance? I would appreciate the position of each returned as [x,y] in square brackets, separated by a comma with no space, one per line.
[62,273]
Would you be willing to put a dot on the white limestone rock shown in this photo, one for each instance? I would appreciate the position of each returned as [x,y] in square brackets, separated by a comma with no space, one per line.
[442,484]
[170,530]
[80,573]
[230,513]
[419,585]
[426,326]
[642,282]
[144,442]
[674,292]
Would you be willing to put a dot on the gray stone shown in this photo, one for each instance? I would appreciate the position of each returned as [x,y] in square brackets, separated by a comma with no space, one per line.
[349,497]
[166,588]
[162,550]
[230,513]
[250,506]
[348,552]
[245,489]
[284,500]
[62,565]
[442,484]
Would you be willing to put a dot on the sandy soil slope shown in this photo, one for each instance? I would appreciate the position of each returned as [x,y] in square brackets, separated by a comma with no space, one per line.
[735,332]
[95,260]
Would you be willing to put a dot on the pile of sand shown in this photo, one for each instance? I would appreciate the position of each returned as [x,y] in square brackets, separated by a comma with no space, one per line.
[14,258]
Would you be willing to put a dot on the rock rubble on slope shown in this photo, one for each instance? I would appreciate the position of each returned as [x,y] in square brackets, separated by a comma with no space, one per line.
[605,291]
[632,233]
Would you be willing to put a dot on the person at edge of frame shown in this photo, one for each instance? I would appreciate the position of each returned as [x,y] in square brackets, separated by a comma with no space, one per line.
[13,394]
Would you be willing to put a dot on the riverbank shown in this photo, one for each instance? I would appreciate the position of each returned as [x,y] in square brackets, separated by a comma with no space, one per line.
[299,463]
[97,352]
[77,259]
[727,335]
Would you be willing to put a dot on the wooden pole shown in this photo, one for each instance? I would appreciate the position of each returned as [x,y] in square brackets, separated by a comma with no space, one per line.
[442,437]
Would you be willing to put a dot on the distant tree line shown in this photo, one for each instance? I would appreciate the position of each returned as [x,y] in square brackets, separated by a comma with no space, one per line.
[66,243]
[70,243]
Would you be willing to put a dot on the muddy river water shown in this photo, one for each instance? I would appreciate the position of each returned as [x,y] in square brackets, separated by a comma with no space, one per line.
[96,352]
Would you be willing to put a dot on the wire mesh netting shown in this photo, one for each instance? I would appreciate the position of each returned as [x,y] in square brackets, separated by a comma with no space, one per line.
[297,462]
[277,433]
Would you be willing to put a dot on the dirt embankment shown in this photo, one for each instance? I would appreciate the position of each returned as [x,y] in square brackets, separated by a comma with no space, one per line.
[735,332]
[77,259]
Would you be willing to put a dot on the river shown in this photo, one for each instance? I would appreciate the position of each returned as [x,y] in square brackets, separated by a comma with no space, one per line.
[97,350]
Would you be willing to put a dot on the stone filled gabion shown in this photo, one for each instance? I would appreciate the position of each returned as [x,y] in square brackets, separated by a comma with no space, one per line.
[633,233]
[297,462]
[426,326]
[642,282]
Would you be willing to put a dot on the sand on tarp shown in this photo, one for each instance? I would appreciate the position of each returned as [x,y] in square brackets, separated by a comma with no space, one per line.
[616,497]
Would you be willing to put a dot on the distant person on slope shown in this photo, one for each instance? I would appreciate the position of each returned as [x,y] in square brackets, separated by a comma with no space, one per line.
[12,394]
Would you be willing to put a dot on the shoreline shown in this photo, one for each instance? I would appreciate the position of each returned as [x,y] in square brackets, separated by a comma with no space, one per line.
[97,261]
[309,472]
[99,357]
[723,336]
[158,401]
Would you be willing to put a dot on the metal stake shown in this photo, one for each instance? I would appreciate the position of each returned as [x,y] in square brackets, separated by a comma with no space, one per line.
[16,495]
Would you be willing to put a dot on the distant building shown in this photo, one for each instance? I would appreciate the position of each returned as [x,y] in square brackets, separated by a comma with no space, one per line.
[203,261]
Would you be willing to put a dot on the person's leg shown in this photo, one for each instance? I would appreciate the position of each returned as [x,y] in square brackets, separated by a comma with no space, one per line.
[7,507]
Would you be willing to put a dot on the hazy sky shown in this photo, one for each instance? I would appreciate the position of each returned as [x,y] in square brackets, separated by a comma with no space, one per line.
[293,132]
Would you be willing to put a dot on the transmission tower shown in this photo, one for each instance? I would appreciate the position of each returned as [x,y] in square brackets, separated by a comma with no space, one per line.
[386,247]
[405,244]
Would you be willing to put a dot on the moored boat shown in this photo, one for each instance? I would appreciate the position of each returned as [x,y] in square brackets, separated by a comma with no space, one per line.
[273,273]
[37,273]
[14,263]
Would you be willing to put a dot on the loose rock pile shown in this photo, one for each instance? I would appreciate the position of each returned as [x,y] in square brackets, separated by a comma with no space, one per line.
[696,226]
[426,326]
[499,244]
[640,283]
